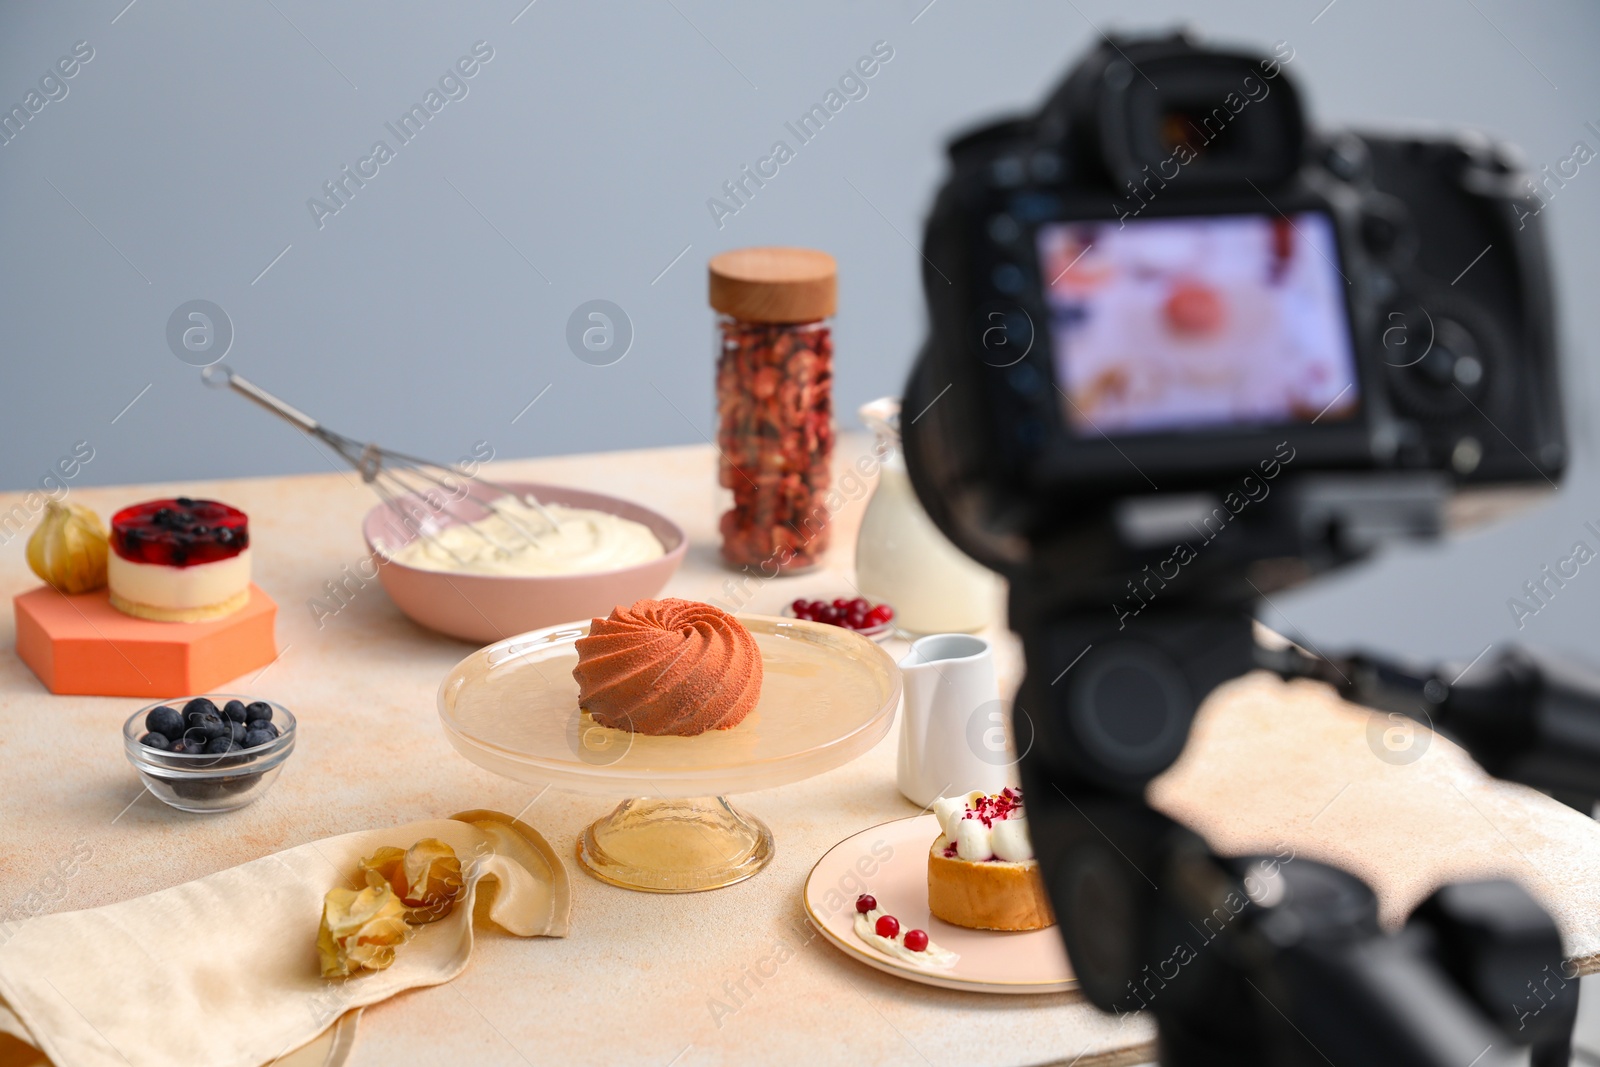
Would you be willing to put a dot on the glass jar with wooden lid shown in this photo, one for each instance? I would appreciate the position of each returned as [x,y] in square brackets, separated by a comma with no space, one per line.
[774,404]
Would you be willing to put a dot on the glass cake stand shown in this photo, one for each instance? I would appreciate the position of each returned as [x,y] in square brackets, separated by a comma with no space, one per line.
[827,696]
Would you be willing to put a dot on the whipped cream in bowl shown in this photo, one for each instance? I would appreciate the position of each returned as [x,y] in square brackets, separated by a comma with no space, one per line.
[518,539]
[527,574]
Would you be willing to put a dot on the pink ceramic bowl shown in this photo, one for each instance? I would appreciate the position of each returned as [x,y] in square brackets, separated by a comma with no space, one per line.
[484,608]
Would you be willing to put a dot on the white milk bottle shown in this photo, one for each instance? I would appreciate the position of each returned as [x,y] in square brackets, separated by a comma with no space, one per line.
[901,557]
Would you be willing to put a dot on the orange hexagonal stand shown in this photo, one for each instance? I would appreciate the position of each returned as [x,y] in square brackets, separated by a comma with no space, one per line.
[82,645]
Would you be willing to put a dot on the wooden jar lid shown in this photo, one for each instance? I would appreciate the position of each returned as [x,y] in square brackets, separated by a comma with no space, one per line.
[774,284]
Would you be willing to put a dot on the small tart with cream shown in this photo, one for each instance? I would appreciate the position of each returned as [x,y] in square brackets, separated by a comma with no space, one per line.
[981,871]
[179,560]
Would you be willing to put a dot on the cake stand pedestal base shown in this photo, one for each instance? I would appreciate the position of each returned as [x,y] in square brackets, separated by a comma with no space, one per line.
[675,846]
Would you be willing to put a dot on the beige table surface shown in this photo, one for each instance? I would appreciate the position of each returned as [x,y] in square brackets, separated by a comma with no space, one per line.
[639,979]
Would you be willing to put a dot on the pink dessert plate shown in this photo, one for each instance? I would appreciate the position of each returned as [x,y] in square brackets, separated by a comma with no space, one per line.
[890,861]
[489,607]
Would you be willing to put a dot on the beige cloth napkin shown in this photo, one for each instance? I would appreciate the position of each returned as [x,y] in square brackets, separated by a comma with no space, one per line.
[223,971]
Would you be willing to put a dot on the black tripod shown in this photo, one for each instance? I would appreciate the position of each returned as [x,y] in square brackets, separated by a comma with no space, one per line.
[1278,960]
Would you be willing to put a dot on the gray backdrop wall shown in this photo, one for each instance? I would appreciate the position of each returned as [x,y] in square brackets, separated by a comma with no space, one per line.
[574,163]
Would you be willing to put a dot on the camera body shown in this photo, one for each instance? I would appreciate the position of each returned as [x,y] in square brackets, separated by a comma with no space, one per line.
[1164,282]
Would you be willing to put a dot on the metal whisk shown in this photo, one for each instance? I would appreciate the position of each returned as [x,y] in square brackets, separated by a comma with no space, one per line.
[401,479]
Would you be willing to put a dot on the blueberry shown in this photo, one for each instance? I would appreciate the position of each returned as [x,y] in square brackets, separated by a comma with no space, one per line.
[156,740]
[236,731]
[219,746]
[257,738]
[204,727]
[260,711]
[234,709]
[267,727]
[199,704]
[209,725]
[225,536]
[184,502]
[164,720]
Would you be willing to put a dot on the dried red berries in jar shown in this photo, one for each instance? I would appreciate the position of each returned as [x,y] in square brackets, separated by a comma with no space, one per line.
[774,404]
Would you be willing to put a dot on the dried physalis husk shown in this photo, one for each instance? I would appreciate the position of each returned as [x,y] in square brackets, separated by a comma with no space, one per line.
[68,550]
[426,877]
[360,930]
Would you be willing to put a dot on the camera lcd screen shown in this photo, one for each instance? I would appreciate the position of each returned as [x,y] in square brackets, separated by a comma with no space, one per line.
[1200,322]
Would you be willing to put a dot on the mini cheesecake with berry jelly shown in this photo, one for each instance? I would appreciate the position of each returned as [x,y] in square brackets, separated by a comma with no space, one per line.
[179,560]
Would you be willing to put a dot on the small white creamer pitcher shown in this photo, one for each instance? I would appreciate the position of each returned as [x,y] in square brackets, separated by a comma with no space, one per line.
[952,732]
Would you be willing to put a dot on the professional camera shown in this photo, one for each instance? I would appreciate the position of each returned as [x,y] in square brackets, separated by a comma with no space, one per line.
[1184,352]
[1162,275]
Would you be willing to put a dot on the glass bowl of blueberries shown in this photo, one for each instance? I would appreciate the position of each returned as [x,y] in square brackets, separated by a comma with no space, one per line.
[209,754]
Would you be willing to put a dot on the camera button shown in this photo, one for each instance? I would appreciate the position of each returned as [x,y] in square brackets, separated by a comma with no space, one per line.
[1118,76]
[1346,157]
[1466,456]
[1007,278]
[1005,335]
[1387,230]
[1007,172]
[1025,380]
[1379,233]
[1003,229]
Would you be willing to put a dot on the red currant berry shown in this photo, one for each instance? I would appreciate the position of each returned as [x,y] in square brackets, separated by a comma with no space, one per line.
[841,604]
[828,614]
[888,926]
[866,902]
[861,604]
[916,940]
[799,606]
[880,614]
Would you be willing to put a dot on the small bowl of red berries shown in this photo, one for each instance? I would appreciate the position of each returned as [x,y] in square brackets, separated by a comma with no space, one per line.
[860,615]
